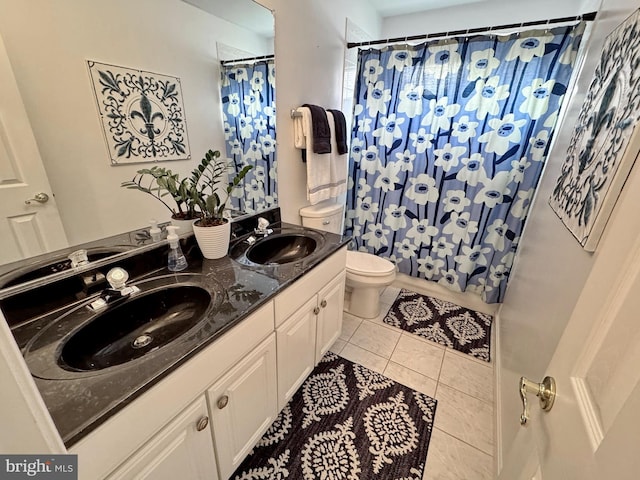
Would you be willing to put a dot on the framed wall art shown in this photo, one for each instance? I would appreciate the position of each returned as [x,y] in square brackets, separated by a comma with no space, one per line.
[605,141]
[141,113]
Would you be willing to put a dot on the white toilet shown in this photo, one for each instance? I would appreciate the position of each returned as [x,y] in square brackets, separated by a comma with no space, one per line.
[367,274]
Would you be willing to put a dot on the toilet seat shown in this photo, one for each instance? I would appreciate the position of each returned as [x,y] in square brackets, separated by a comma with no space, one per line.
[362,263]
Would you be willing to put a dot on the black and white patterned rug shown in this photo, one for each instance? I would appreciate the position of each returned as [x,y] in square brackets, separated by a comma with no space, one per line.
[345,422]
[442,322]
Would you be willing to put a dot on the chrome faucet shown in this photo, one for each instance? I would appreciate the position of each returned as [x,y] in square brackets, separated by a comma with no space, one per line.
[117,278]
[262,228]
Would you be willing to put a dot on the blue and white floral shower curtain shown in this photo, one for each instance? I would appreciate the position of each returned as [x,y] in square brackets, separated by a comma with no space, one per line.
[448,143]
[249,114]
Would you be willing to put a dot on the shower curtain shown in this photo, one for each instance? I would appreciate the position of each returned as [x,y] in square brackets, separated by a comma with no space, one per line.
[448,143]
[249,115]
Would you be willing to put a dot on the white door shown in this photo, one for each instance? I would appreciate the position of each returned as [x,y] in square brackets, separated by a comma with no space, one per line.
[592,431]
[25,229]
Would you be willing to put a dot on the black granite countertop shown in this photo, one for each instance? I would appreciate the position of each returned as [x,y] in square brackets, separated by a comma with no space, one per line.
[81,401]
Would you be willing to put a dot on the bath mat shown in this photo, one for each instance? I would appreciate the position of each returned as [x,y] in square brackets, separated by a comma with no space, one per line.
[442,322]
[345,422]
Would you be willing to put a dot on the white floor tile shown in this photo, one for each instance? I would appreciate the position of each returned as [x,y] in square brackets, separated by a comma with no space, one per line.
[384,309]
[375,338]
[467,375]
[364,357]
[389,295]
[338,345]
[451,459]
[350,324]
[465,417]
[411,379]
[418,355]
[461,446]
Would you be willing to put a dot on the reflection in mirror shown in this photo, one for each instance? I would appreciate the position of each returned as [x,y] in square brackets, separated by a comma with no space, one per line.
[48,43]
[247,90]
[248,105]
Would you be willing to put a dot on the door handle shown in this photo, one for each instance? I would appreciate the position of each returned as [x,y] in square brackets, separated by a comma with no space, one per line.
[38,197]
[545,391]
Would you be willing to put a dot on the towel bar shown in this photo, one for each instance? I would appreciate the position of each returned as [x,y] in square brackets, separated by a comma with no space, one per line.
[295,113]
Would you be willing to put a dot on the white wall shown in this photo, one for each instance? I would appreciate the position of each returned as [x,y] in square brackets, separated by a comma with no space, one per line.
[49,41]
[309,48]
[482,14]
[551,267]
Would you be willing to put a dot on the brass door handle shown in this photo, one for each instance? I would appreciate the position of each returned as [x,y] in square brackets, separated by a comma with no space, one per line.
[38,197]
[545,391]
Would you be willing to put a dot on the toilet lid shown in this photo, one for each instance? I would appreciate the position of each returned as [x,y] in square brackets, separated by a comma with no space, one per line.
[367,264]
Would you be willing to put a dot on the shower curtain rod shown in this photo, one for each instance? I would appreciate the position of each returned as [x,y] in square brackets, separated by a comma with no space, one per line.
[247,59]
[587,17]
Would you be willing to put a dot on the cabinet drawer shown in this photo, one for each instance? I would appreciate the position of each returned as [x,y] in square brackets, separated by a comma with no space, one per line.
[306,287]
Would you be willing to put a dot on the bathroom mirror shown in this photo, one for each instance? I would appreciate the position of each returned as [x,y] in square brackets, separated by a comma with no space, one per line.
[48,45]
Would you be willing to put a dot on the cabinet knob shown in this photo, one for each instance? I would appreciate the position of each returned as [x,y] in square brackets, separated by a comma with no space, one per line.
[316,310]
[202,423]
[222,402]
[323,303]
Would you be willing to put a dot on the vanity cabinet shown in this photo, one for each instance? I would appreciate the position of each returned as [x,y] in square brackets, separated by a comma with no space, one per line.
[202,420]
[243,404]
[308,321]
[183,449]
[160,426]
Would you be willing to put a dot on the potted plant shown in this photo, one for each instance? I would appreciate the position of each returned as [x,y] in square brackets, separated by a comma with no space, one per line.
[161,182]
[213,229]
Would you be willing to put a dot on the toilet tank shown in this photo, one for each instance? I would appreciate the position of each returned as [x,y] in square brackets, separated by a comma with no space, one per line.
[323,216]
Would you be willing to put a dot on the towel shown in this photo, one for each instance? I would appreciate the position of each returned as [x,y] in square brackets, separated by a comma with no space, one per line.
[340,130]
[318,166]
[321,131]
[337,161]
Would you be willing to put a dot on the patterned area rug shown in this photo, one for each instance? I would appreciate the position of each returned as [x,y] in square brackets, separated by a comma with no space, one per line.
[346,422]
[442,322]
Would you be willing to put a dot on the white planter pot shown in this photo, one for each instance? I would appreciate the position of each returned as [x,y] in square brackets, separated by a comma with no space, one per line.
[186,226]
[213,241]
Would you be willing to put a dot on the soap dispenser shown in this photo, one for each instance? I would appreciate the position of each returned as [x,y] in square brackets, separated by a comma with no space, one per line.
[154,231]
[177,261]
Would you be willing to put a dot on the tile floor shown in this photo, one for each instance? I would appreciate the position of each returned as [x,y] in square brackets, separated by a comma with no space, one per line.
[462,441]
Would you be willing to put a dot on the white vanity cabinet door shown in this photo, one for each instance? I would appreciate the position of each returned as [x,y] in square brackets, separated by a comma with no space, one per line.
[182,449]
[329,323]
[296,350]
[243,404]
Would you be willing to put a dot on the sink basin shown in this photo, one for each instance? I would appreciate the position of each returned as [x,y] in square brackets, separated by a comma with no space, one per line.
[281,248]
[135,327]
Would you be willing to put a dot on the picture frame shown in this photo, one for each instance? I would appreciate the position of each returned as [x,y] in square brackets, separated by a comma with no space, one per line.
[141,113]
[605,141]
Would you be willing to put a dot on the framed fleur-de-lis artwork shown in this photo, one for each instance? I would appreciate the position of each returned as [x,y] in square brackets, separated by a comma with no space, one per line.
[141,113]
[605,141]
